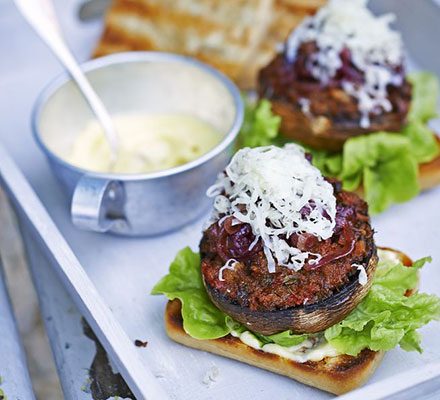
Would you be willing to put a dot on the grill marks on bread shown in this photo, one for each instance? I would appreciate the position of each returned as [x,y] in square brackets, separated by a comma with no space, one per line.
[236,36]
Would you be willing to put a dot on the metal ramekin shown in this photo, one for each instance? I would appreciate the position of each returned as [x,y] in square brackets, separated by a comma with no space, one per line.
[141,204]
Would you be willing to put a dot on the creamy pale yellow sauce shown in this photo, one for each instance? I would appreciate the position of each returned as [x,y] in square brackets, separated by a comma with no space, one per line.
[147,143]
[306,351]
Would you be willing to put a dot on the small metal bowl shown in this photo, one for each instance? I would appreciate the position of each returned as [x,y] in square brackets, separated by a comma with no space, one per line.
[138,204]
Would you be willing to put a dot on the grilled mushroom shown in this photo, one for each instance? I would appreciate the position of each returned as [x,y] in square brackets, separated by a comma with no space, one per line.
[308,318]
[273,281]
[325,117]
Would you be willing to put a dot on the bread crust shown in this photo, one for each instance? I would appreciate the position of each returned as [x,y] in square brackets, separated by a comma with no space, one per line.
[336,375]
[238,37]
[429,173]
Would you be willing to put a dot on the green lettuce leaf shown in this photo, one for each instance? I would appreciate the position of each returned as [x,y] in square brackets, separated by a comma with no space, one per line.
[234,325]
[423,143]
[387,318]
[201,319]
[425,92]
[285,339]
[384,164]
[411,341]
[397,277]
[330,164]
[260,126]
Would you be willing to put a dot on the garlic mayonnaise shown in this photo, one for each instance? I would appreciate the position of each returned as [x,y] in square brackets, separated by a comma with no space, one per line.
[147,143]
[309,350]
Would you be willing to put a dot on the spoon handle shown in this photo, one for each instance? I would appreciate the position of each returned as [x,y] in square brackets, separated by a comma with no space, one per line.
[92,9]
[41,16]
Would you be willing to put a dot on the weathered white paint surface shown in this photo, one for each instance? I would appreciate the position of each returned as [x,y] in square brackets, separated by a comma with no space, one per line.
[124,270]
[14,377]
[25,305]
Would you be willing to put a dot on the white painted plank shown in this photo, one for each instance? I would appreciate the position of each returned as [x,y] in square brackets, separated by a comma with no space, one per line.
[417,383]
[15,381]
[24,303]
[81,289]
[124,270]
[72,350]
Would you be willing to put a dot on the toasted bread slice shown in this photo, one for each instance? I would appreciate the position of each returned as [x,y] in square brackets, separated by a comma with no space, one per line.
[236,36]
[336,375]
[333,374]
[429,173]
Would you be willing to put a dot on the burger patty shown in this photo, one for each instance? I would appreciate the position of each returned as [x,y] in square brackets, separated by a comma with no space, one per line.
[324,116]
[250,284]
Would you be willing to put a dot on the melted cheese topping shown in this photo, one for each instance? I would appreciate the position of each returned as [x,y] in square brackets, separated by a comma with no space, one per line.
[374,47]
[278,193]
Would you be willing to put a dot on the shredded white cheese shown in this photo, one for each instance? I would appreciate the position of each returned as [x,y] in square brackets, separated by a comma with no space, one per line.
[305,106]
[374,47]
[278,193]
[363,277]
[230,264]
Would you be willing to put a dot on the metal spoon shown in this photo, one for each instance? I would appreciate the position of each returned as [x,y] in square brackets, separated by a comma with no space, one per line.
[92,9]
[41,16]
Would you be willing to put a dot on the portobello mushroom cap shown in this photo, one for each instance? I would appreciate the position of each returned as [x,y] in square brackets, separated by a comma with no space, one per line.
[309,318]
[325,116]
[306,301]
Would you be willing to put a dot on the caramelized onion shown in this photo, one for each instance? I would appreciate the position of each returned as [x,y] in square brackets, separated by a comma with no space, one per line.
[349,243]
[235,241]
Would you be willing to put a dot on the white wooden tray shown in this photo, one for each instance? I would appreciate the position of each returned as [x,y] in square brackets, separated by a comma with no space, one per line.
[124,270]
[14,375]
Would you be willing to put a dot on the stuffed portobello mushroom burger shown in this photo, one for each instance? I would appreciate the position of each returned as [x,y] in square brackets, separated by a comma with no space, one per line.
[289,277]
[339,87]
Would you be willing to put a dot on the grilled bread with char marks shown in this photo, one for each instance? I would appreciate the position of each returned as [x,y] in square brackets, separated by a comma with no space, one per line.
[236,36]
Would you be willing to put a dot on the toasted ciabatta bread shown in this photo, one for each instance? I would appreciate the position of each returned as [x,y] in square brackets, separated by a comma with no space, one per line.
[429,173]
[336,375]
[236,36]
